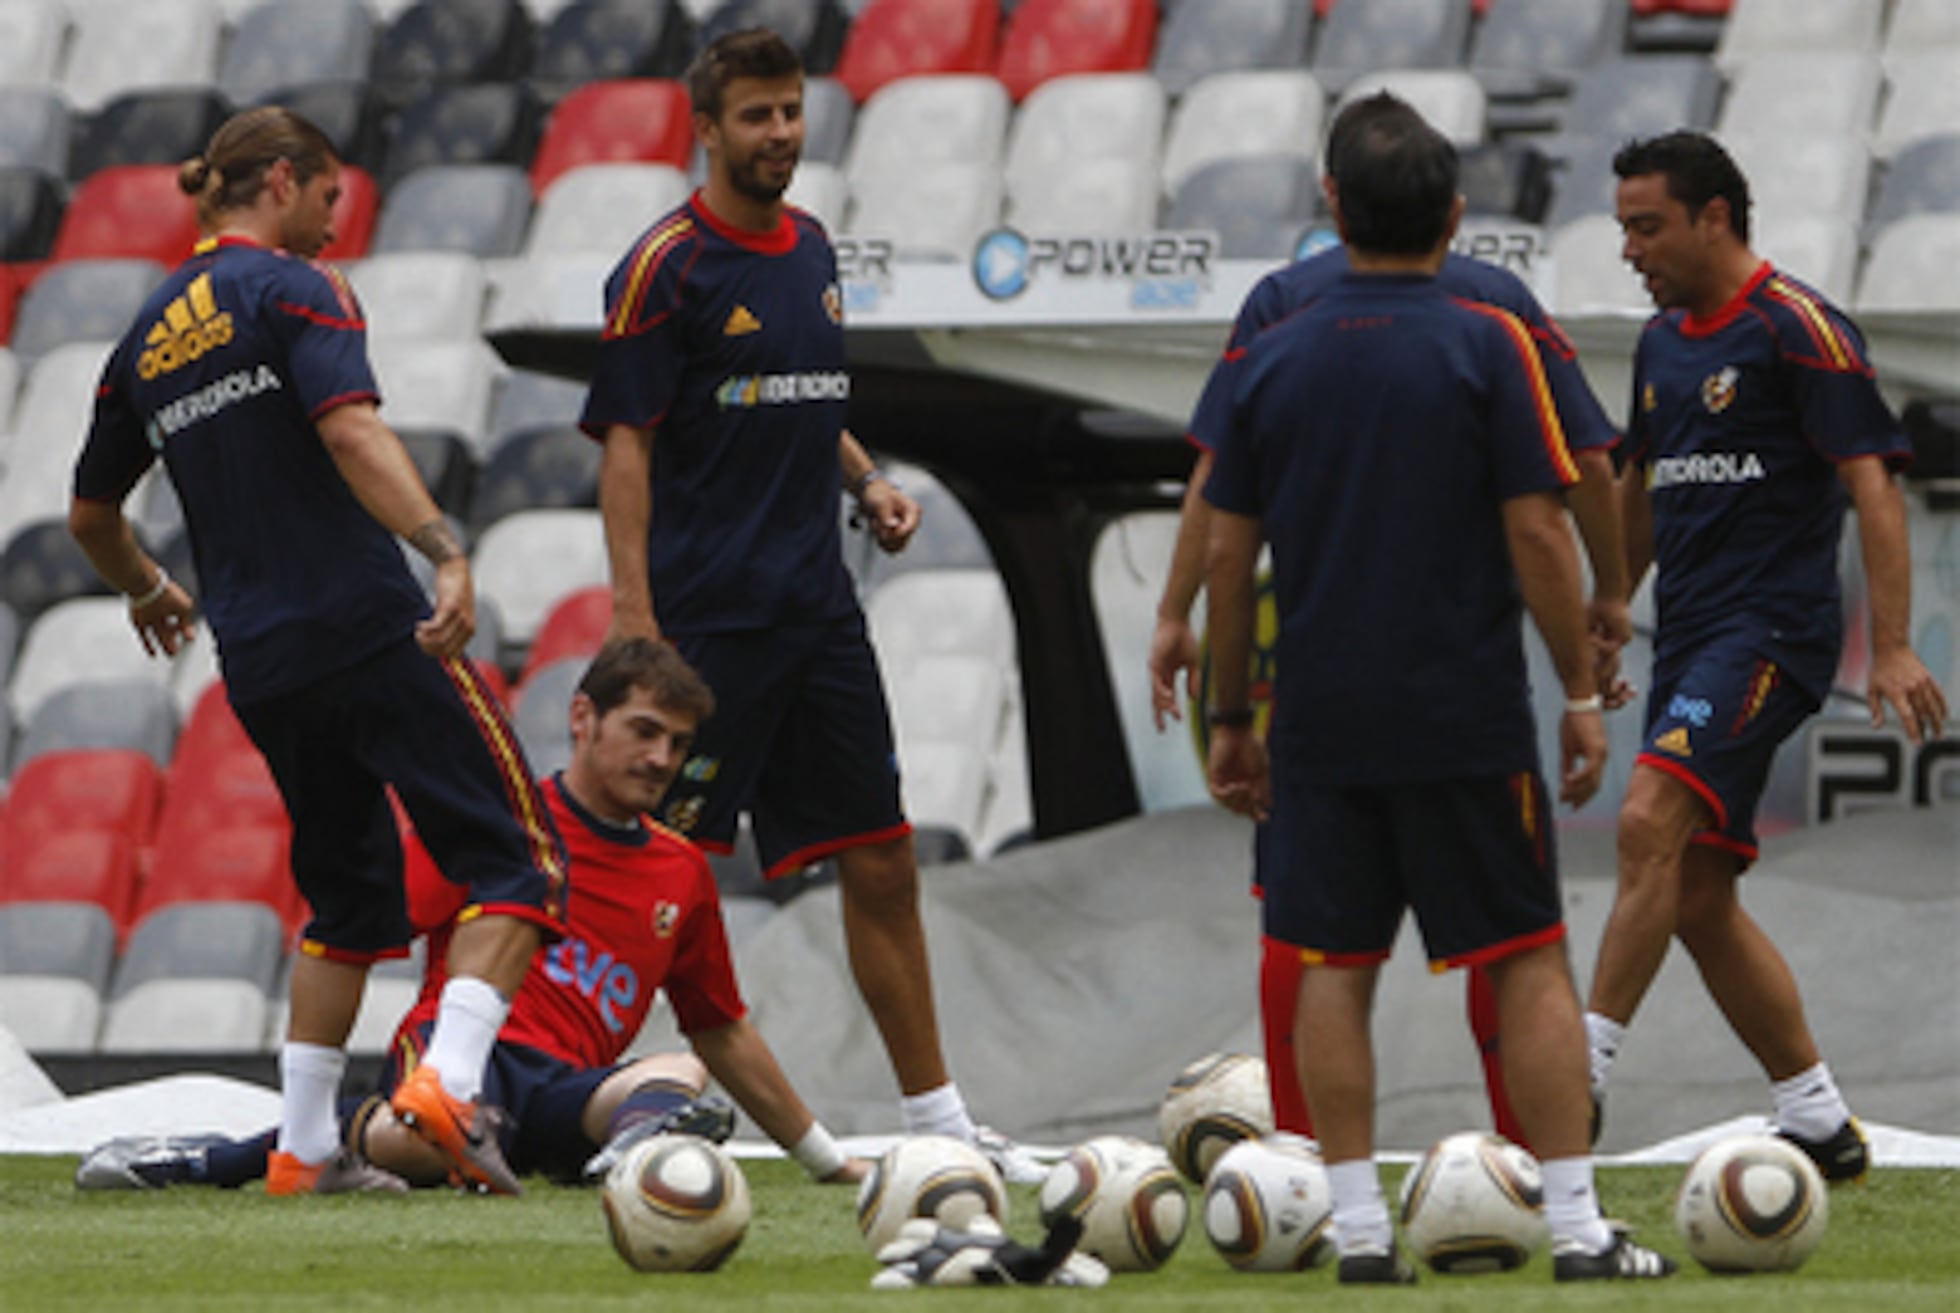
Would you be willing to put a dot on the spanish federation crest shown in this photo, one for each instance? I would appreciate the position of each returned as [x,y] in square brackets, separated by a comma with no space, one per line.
[666,917]
[833,304]
[1718,389]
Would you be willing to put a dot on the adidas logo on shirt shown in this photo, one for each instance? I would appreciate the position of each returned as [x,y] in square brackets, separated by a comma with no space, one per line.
[192,326]
[741,322]
[1675,741]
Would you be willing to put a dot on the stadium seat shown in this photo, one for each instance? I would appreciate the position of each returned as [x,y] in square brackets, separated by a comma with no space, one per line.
[433,384]
[527,561]
[1642,96]
[893,39]
[1819,249]
[821,190]
[539,469]
[947,538]
[447,466]
[97,867]
[227,863]
[41,565]
[289,43]
[450,41]
[78,791]
[9,379]
[354,215]
[1505,177]
[30,211]
[597,40]
[1049,38]
[1525,50]
[1201,41]
[350,113]
[943,784]
[211,733]
[948,696]
[815,29]
[530,400]
[642,120]
[1383,34]
[1451,100]
[1925,102]
[31,34]
[50,420]
[930,119]
[828,112]
[1226,115]
[487,123]
[139,716]
[421,294]
[34,129]
[1072,120]
[936,212]
[1099,196]
[74,642]
[1920,27]
[393,985]
[1760,27]
[1840,94]
[9,300]
[51,1015]
[186,1016]
[1924,178]
[84,300]
[135,211]
[940,613]
[163,125]
[72,939]
[603,209]
[1592,278]
[541,714]
[1586,183]
[117,48]
[1803,173]
[1257,204]
[1914,265]
[574,628]
[205,939]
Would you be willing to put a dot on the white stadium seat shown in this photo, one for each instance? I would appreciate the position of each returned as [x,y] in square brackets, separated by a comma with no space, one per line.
[187,1016]
[1802,174]
[1924,102]
[9,385]
[1914,265]
[50,1014]
[933,212]
[1452,100]
[822,190]
[949,697]
[943,784]
[602,209]
[1262,112]
[31,32]
[1840,93]
[1922,27]
[1069,122]
[51,418]
[80,641]
[940,613]
[124,47]
[421,294]
[527,561]
[432,384]
[1758,27]
[1820,249]
[928,119]
[1591,278]
[1113,196]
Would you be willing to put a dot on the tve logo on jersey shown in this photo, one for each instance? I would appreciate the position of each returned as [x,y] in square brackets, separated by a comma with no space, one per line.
[609,984]
[192,325]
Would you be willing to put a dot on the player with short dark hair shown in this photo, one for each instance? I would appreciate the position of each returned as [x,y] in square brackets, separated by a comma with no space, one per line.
[719,396]
[1756,422]
[247,373]
[646,918]
[1399,449]
[1594,503]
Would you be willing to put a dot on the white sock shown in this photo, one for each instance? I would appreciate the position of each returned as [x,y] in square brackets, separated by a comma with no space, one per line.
[309,1081]
[467,1022]
[1360,1212]
[1603,1036]
[1571,1206]
[938,1111]
[1808,1104]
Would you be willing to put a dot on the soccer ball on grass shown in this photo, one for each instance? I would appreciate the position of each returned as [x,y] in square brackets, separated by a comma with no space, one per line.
[1474,1203]
[1268,1207]
[1214,1103]
[1131,1203]
[1752,1203]
[933,1176]
[676,1203]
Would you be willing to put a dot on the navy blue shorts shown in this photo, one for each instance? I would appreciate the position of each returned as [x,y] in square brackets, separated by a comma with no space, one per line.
[544,1098]
[801,739]
[1714,722]
[433,731]
[1474,858]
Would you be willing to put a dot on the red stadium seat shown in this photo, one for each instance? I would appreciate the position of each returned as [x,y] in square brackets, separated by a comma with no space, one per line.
[11,283]
[1700,8]
[576,627]
[243,863]
[899,38]
[77,866]
[212,731]
[353,215]
[108,789]
[626,119]
[134,211]
[1047,38]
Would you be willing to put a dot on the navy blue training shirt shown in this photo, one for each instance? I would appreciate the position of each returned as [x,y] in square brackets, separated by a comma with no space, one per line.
[1377,433]
[731,345]
[1739,421]
[223,374]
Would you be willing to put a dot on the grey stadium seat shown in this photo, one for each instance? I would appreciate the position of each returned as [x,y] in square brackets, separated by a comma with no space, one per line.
[530,400]
[599,40]
[1924,178]
[1384,34]
[1527,51]
[815,29]
[81,301]
[450,41]
[828,112]
[1257,204]
[217,940]
[481,209]
[122,714]
[542,717]
[1643,96]
[350,113]
[1585,183]
[55,960]
[1506,178]
[293,42]
[1198,40]
[30,211]
[34,128]
[488,123]
[161,125]
[541,468]
[41,565]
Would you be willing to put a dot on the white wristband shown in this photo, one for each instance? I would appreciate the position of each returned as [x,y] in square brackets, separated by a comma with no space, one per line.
[1580,706]
[817,1153]
[156,591]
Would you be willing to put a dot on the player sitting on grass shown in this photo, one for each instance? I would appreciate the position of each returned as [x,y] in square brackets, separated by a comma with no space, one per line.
[645,916]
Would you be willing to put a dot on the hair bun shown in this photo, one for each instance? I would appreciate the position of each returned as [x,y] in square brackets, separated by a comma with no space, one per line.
[193,174]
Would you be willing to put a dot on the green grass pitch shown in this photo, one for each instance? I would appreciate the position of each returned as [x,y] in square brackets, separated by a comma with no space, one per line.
[1892,1245]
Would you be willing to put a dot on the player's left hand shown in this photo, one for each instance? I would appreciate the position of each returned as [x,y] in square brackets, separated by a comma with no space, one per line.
[927,1254]
[1582,756]
[1899,677]
[1173,649]
[853,1171]
[890,514]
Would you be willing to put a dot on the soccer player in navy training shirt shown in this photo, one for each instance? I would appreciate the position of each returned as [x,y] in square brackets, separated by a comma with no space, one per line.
[1399,448]
[720,394]
[247,373]
[1594,502]
[1756,420]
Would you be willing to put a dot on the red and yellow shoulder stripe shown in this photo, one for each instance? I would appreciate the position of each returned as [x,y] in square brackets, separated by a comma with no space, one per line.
[641,265]
[1833,347]
[1551,430]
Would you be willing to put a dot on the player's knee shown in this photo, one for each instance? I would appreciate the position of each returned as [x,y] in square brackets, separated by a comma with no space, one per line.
[883,875]
[1646,835]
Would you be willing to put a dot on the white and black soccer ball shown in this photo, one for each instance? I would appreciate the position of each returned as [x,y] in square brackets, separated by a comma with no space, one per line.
[1128,1196]
[1214,1103]
[1268,1206]
[1752,1203]
[932,1176]
[676,1203]
[1475,1203]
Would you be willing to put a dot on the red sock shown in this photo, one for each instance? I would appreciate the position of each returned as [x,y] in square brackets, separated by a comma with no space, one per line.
[1482,1003]
[1279,1001]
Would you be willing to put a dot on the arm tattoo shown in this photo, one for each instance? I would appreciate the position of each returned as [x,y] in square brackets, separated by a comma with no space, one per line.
[436,540]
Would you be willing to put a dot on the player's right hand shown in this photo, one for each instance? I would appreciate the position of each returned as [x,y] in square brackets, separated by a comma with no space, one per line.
[1173,649]
[450,626]
[167,624]
[1240,773]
